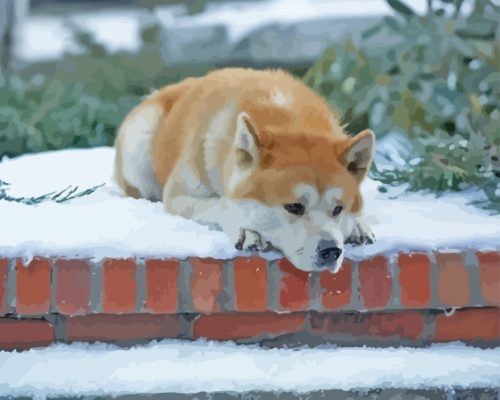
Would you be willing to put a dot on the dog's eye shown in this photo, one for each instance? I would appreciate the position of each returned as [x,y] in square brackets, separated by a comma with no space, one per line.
[337,210]
[295,208]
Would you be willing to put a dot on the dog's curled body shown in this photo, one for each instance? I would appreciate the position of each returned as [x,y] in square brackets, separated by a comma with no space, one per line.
[255,153]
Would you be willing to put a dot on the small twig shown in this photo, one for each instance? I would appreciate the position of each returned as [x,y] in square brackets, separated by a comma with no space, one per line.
[70,193]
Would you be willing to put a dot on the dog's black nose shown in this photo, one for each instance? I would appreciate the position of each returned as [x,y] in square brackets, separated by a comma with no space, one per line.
[331,252]
[328,252]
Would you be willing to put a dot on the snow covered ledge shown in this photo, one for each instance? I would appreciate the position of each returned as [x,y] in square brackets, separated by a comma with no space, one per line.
[104,267]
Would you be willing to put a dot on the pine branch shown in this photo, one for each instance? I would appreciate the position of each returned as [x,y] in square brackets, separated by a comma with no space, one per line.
[67,194]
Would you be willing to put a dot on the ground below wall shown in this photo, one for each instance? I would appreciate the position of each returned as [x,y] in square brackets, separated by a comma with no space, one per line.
[409,298]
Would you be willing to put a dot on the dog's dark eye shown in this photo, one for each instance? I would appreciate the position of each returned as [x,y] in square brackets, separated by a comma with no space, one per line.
[337,210]
[295,208]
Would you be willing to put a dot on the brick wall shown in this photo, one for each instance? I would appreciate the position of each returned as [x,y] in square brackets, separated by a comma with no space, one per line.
[407,298]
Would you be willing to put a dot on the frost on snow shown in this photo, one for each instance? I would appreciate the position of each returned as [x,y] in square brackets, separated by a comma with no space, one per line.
[105,224]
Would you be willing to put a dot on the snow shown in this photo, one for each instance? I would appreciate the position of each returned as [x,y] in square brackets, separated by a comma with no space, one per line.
[48,37]
[241,18]
[173,366]
[106,224]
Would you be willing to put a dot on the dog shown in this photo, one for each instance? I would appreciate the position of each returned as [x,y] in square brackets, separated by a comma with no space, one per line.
[256,154]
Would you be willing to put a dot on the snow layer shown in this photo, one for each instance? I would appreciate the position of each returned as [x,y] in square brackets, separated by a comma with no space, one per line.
[105,224]
[190,367]
[48,37]
[241,18]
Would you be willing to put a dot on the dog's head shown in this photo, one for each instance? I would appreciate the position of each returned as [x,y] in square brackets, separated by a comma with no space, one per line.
[306,188]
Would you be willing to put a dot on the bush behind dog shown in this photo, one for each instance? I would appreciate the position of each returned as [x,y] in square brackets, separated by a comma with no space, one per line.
[437,82]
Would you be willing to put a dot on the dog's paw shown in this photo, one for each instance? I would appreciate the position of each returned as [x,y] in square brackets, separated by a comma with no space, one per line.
[361,234]
[251,240]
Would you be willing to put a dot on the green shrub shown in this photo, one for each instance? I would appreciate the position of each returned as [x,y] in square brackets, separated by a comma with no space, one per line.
[437,82]
[80,100]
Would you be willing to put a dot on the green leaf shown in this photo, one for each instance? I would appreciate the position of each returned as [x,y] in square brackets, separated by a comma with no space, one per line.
[372,31]
[392,23]
[401,8]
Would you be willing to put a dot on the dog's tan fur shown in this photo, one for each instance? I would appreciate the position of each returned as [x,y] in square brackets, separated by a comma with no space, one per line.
[241,142]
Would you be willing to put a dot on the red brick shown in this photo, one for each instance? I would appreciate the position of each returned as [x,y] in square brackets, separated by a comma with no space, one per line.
[73,287]
[336,288]
[131,327]
[21,334]
[243,326]
[161,285]
[489,275]
[469,325]
[414,279]
[4,264]
[206,284]
[294,287]
[375,282]
[250,283]
[453,279]
[33,284]
[119,285]
[401,325]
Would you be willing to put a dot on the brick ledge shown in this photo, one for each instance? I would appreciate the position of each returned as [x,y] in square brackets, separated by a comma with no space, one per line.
[151,297]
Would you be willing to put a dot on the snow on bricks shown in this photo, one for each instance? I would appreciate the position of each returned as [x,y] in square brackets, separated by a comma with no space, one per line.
[118,269]
[407,298]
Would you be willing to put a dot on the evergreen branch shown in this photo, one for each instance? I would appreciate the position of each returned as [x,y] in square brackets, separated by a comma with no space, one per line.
[67,194]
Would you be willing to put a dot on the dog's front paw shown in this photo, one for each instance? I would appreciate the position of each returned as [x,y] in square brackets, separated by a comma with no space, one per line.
[361,234]
[251,240]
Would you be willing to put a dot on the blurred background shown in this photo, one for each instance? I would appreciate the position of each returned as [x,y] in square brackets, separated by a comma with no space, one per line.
[424,74]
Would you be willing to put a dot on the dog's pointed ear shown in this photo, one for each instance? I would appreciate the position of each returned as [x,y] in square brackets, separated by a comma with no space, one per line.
[246,141]
[358,154]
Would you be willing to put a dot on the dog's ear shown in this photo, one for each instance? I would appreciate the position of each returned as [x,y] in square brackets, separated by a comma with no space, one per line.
[246,142]
[358,153]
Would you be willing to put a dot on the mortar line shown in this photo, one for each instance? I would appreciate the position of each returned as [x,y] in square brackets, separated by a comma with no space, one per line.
[96,286]
[11,285]
[273,285]
[315,292]
[355,301]
[184,298]
[227,298]
[140,280]
[434,276]
[53,285]
[472,267]
[392,263]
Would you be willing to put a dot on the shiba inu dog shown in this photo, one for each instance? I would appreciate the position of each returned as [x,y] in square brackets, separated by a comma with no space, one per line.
[256,154]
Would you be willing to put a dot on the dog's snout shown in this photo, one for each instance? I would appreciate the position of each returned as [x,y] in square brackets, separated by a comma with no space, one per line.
[328,251]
